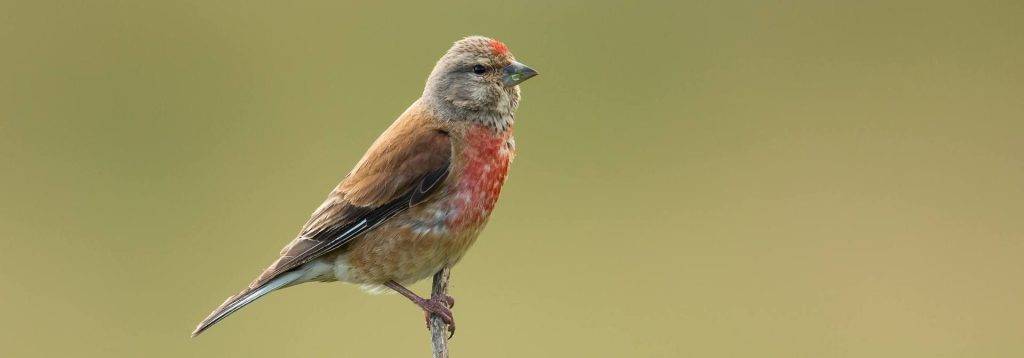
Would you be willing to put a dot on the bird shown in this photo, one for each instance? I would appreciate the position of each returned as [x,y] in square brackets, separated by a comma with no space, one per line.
[420,195]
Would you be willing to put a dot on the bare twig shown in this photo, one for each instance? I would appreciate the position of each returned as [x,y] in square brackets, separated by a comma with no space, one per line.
[439,329]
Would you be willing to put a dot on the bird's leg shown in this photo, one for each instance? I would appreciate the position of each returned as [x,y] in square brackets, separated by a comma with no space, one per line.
[440,304]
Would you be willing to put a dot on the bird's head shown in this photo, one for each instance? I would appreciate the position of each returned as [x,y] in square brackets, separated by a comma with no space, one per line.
[478,74]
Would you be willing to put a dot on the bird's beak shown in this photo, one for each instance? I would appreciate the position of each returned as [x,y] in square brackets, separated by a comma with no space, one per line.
[516,73]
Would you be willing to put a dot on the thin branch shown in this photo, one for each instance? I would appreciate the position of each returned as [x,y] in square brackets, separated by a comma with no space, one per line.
[439,329]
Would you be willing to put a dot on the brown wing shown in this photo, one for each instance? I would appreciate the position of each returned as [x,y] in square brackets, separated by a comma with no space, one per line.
[402,169]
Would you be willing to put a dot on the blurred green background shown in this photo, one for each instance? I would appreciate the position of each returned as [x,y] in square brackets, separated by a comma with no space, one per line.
[716,179]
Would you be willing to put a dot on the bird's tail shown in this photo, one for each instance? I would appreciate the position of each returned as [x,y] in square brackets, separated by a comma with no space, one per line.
[246,297]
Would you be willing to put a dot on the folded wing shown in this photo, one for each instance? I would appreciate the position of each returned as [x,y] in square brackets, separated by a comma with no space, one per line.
[404,167]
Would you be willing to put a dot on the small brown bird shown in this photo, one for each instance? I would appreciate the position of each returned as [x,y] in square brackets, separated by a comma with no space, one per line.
[421,194]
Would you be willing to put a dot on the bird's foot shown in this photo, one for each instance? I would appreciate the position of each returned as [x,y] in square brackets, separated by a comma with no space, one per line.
[450,300]
[442,307]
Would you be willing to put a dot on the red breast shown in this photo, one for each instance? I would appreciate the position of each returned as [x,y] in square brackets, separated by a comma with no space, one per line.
[485,160]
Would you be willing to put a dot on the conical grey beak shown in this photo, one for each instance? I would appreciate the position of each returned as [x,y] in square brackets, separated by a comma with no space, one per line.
[516,73]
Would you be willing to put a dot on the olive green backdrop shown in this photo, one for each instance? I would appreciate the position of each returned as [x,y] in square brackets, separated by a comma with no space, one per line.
[713,179]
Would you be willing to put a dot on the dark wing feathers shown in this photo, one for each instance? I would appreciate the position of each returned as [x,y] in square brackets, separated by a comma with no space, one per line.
[427,185]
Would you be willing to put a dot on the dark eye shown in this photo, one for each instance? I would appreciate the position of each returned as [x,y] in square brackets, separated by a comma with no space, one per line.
[479,69]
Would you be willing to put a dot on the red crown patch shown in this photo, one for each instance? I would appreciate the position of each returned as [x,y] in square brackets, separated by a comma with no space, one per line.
[498,47]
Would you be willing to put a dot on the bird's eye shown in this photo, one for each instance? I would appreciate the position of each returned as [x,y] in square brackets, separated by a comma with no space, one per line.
[479,69]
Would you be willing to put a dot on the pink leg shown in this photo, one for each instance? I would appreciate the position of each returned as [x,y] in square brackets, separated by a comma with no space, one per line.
[438,305]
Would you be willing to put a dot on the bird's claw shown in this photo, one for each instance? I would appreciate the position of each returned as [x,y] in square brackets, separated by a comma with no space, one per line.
[450,301]
[441,306]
